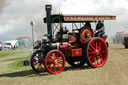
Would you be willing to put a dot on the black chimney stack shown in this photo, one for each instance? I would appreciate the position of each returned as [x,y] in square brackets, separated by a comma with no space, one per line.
[48,9]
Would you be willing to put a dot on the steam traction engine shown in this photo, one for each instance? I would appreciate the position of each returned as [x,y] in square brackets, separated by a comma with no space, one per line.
[77,47]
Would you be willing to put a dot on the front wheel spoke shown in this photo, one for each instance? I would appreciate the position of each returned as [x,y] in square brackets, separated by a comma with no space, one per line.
[57,55]
[59,59]
[50,57]
[49,65]
[35,60]
[35,63]
[38,66]
[53,67]
[37,56]
[60,63]
[50,61]
[59,67]
[54,55]
[41,67]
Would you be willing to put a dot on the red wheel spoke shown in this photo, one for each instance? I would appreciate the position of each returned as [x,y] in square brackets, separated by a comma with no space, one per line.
[92,47]
[35,60]
[50,61]
[54,55]
[50,57]
[100,58]
[60,63]
[58,66]
[36,63]
[102,51]
[53,67]
[59,59]
[41,68]
[97,60]
[49,65]
[101,55]
[91,52]
[99,47]
[57,55]
[90,57]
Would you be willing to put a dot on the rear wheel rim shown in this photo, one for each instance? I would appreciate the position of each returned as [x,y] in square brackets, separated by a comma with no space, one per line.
[97,52]
[37,62]
[55,61]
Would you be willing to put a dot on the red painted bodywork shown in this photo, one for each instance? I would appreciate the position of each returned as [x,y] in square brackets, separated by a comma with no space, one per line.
[73,47]
[104,38]
[77,52]
[73,43]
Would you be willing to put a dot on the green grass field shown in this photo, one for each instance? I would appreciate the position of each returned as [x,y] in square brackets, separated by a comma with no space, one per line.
[13,52]
[18,56]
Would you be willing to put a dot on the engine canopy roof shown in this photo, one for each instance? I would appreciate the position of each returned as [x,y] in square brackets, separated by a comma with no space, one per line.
[56,18]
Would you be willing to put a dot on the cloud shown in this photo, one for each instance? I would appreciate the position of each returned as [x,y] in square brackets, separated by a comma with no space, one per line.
[4,3]
[16,17]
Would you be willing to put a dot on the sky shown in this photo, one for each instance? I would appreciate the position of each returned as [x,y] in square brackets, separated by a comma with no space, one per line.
[16,15]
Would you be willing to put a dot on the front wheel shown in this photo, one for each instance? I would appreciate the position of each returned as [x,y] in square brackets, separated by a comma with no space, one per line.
[54,61]
[37,61]
[95,52]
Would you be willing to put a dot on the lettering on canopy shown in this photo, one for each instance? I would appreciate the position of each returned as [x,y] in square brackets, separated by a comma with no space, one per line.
[88,18]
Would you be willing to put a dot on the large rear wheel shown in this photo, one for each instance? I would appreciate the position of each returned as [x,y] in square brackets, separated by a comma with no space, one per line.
[37,61]
[54,61]
[95,52]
